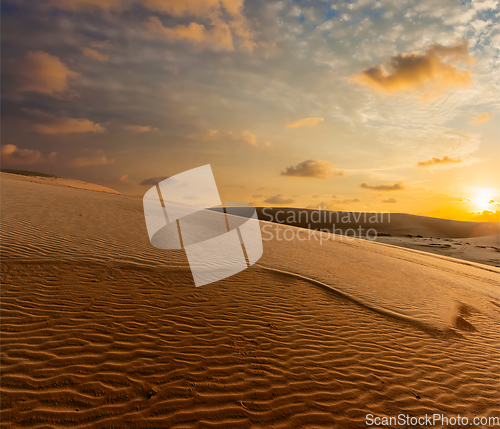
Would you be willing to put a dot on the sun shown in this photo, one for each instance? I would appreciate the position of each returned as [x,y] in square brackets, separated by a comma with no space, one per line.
[483,198]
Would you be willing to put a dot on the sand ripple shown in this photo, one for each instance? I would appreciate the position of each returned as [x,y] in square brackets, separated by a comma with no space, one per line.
[101,346]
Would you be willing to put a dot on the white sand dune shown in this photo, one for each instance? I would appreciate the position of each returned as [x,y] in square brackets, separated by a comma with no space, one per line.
[100,329]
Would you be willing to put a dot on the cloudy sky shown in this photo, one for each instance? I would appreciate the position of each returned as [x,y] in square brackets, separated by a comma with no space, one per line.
[388,105]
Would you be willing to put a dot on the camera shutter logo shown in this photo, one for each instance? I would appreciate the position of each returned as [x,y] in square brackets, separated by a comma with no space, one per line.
[185,211]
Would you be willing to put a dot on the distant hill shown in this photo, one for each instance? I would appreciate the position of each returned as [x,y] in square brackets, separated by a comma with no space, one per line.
[395,224]
[27,173]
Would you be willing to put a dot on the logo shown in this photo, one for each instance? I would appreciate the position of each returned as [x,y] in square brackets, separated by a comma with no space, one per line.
[185,212]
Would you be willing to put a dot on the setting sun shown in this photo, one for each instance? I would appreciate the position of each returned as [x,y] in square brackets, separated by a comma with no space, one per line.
[483,198]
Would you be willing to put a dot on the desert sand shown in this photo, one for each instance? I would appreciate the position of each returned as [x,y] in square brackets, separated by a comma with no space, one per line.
[469,241]
[100,329]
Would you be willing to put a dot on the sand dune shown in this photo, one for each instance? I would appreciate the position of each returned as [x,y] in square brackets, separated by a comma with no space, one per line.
[470,241]
[48,179]
[100,329]
[483,250]
[396,224]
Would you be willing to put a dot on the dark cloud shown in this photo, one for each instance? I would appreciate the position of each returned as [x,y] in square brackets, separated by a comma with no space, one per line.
[313,168]
[396,187]
[11,154]
[153,181]
[96,160]
[40,72]
[279,199]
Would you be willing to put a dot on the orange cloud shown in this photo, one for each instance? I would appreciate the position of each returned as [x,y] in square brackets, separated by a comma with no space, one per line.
[308,122]
[426,72]
[68,126]
[195,33]
[86,162]
[248,137]
[225,18]
[483,117]
[11,154]
[41,72]
[94,54]
[207,135]
[396,187]
[313,168]
[140,128]
[438,161]
[76,5]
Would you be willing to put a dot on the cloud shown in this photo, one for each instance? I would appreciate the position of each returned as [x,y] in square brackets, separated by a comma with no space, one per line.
[390,201]
[396,187]
[429,72]
[193,32]
[11,154]
[248,137]
[344,201]
[41,72]
[333,204]
[94,54]
[140,128]
[279,199]
[486,216]
[483,117]
[225,18]
[206,135]
[97,160]
[306,122]
[152,181]
[68,126]
[313,168]
[77,5]
[438,161]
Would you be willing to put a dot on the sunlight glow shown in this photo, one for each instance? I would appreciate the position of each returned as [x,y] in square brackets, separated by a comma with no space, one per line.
[483,198]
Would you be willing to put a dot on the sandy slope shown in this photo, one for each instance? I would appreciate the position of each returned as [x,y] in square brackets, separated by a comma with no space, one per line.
[484,250]
[57,181]
[99,329]
[470,241]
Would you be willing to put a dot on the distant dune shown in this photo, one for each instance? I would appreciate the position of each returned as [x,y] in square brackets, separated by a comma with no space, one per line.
[99,329]
[396,224]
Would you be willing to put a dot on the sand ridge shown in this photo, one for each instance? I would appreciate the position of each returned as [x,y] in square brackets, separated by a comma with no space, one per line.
[57,181]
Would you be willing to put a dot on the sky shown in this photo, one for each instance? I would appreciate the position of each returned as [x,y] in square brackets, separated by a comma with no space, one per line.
[369,105]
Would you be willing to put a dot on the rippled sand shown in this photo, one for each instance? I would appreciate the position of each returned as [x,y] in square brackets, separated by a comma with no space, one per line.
[101,330]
